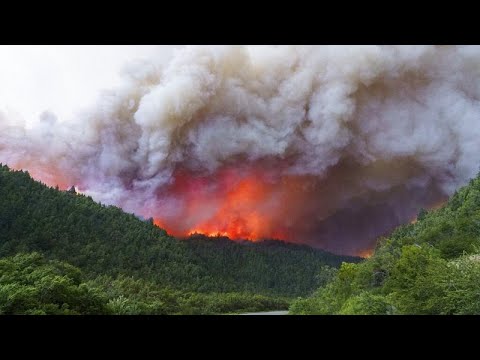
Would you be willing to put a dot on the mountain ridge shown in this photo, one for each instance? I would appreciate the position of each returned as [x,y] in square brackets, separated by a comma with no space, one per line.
[429,266]
[104,241]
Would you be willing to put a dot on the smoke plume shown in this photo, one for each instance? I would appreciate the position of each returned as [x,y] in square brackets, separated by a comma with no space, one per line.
[326,145]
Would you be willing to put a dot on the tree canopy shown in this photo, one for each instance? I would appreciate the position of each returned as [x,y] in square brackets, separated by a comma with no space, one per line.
[429,267]
[117,252]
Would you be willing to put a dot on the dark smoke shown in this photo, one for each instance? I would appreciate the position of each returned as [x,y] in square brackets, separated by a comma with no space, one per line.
[373,133]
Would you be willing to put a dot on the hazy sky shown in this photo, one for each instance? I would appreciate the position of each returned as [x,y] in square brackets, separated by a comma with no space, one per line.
[369,134]
[60,78]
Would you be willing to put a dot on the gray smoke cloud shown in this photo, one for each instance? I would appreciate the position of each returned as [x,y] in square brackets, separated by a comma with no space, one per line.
[379,131]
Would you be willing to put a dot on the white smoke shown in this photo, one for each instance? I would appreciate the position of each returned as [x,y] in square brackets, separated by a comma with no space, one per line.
[362,120]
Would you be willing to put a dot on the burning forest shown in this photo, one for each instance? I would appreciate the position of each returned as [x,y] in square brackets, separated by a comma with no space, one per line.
[330,146]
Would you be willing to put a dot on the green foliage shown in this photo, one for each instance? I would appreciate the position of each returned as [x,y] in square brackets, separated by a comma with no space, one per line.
[366,303]
[30,284]
[129,296]
[422,214]
[148,271]
[33,285]
[430,267]
[325,275]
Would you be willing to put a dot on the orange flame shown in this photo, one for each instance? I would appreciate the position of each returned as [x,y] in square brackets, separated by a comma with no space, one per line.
[239,206]
[238,217]
[252,202]
[366,253]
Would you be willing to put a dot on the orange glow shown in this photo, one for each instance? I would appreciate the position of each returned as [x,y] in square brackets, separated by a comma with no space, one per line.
[233,204]
[432,207]
[211,234]
[238,217]
[365,253]
[51,176]
[251,202]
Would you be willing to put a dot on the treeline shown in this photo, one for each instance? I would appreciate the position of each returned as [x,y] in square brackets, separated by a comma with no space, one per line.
[32,285]
[429,267]
[106,243]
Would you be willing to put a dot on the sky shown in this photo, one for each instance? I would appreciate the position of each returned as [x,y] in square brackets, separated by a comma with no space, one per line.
[61,78]
[355,139]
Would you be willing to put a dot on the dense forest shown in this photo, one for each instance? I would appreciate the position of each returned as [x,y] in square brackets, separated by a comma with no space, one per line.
[63,253]
[431,266]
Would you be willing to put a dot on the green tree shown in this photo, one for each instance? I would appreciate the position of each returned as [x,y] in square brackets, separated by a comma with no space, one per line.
[30,284]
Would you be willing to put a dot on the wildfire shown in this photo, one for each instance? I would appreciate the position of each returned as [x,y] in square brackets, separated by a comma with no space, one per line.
[237,216]
[432,207]
[365,253]
[239,206]
[211,234]
[253,202]
[50,176]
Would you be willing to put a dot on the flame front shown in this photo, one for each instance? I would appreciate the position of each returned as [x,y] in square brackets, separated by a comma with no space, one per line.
[239,206]
[238,217]
[250,202]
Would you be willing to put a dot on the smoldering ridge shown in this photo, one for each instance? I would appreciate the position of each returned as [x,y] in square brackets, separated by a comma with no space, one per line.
[350,122]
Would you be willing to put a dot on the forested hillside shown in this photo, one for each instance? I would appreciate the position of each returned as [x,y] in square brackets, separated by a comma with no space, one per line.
[135,264]
[431,266]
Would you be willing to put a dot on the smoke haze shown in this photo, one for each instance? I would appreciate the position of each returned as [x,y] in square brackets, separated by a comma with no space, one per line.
[326,145]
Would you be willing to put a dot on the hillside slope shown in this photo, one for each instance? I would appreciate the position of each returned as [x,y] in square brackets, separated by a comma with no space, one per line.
[103,240]
[431,266]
